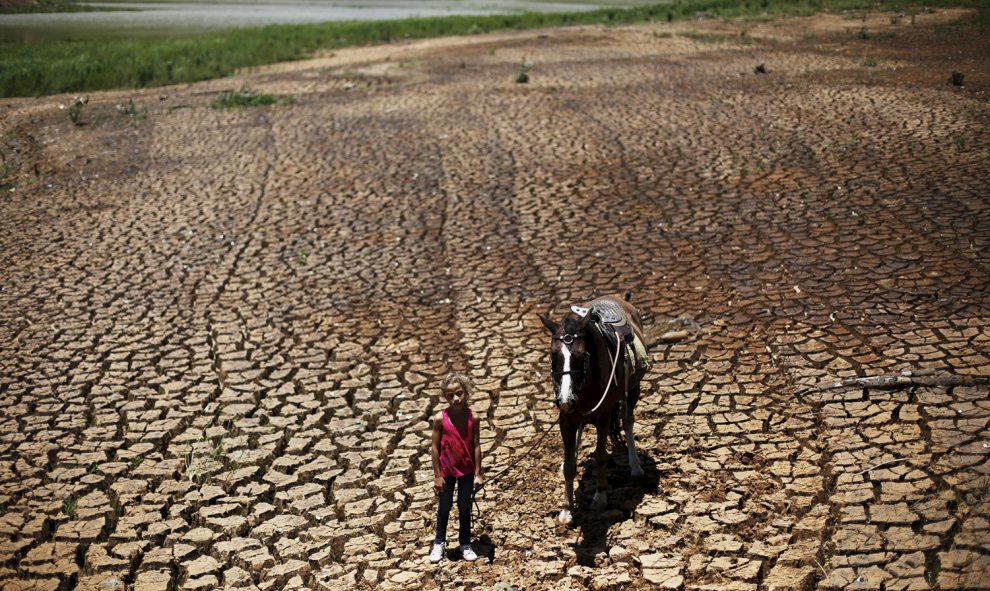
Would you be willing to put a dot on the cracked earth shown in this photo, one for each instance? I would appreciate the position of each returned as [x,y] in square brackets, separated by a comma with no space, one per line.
[223,331]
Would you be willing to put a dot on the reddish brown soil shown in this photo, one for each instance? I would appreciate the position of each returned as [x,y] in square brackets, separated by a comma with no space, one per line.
[223,330]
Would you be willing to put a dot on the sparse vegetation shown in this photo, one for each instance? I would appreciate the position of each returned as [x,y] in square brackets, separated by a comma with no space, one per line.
[523,76]
[246,97]
[76,109]
[133,113]
[69,506]
[218,449]
[871,62]
[714,38]
[6,177]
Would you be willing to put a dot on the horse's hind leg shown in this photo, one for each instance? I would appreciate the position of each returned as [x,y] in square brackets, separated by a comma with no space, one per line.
[634,466]
[601,460]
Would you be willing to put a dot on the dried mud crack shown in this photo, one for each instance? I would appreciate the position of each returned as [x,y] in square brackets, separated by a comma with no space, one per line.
[224,329]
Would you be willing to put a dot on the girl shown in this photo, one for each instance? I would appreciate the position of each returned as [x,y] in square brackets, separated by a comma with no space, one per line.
[456,453]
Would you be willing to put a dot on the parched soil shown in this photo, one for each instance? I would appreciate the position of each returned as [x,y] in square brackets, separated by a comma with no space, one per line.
[223,330]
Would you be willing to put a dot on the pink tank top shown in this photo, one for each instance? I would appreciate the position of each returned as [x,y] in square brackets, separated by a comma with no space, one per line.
[457,447]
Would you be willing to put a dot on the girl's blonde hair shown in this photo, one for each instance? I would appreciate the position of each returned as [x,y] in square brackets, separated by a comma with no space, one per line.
[459,378]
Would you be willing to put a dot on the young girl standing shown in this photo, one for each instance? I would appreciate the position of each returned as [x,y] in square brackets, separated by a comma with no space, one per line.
[456,453]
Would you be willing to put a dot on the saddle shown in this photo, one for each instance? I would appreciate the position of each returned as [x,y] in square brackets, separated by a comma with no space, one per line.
[613,321]
[610,312]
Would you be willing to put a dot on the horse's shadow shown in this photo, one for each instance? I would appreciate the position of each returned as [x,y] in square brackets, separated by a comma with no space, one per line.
[625,493]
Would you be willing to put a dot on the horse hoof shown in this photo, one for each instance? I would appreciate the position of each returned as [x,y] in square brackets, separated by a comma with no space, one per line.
[565,517]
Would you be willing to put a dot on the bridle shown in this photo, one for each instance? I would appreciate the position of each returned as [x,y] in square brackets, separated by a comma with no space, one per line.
[557,376]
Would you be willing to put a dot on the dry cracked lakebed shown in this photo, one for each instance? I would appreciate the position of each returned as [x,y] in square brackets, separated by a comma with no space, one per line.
[223,330]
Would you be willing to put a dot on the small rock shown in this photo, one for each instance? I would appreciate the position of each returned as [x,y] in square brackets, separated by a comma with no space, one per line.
[619,554]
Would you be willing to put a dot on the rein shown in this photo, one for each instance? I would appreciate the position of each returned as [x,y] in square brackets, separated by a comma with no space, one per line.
[503,471]
[608,385]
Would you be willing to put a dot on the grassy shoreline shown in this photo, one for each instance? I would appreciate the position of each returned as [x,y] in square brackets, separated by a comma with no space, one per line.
[84,66]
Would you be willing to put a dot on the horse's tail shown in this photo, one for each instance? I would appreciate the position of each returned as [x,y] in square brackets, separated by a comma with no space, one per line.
[615,426]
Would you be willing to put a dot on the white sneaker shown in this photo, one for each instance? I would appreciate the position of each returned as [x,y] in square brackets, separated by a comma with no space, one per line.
[436,554]
[467,553]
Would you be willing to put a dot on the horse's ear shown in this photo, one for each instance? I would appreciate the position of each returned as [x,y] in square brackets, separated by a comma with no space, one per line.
[550,324]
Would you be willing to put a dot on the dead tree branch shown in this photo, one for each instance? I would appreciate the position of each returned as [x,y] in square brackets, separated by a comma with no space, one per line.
[905,379]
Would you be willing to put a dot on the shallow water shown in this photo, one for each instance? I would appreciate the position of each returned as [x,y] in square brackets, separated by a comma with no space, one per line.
[170,17]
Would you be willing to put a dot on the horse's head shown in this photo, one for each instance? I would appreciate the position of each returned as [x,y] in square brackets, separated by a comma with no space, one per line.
[570,359]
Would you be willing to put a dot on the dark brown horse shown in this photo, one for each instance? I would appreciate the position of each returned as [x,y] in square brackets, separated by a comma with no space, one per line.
[597,360]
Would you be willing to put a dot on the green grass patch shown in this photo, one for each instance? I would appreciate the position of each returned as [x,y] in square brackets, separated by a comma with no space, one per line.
[28,69]
[981,21]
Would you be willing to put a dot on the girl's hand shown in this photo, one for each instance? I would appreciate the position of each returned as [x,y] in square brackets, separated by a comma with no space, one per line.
[479,481]
[438,483]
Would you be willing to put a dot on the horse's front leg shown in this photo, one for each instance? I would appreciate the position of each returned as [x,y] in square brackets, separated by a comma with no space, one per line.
[571,435]
[601,460]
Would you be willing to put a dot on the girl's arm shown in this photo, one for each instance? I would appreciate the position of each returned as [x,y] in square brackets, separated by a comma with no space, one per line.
[435,452]
[479,479]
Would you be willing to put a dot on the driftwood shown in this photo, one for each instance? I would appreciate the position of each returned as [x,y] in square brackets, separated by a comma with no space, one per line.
[671,331]
[904,379]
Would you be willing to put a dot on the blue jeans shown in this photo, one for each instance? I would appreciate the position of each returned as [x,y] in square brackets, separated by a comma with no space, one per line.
[465,486]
